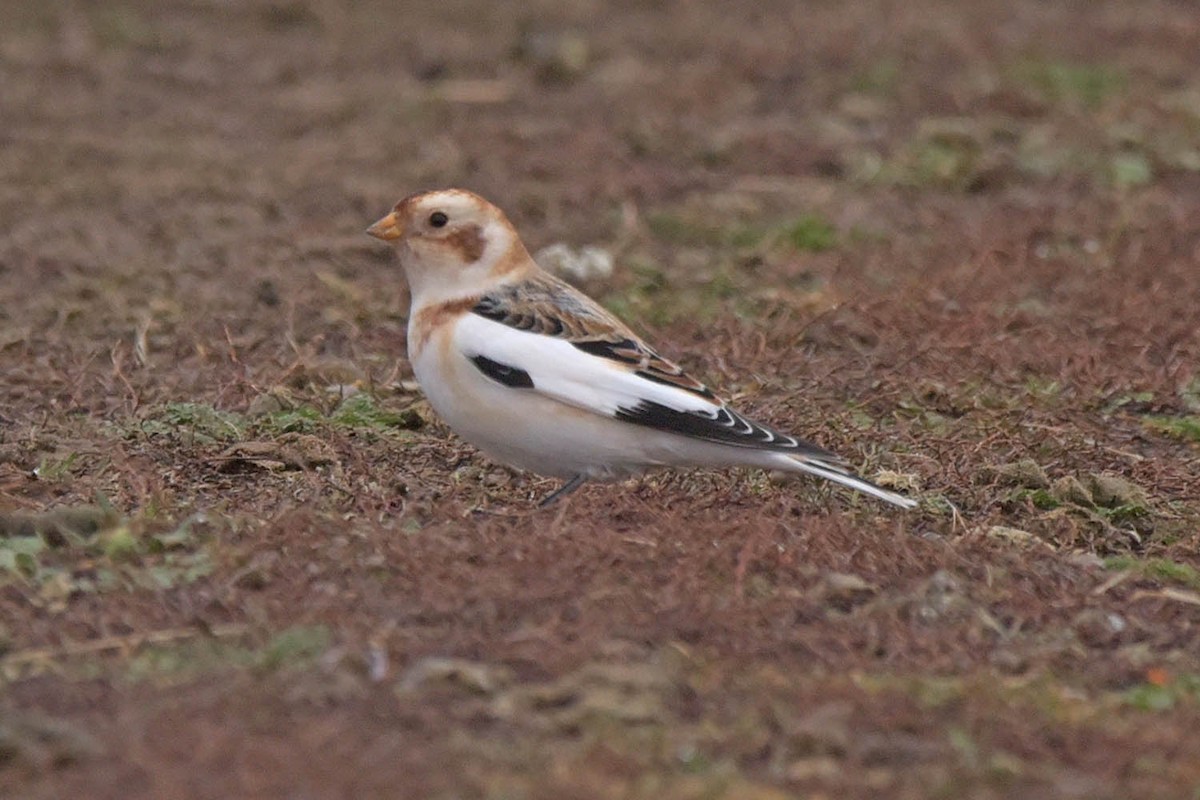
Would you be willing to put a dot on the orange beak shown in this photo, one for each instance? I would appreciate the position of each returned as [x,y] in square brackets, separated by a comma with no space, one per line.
[388,228]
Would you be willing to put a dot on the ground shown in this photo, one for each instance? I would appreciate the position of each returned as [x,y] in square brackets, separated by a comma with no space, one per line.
[958,243]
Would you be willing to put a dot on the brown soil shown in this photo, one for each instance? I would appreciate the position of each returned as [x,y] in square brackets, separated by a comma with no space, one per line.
[957,242]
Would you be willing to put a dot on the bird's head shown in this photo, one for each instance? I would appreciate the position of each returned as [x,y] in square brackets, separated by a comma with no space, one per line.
[452,244]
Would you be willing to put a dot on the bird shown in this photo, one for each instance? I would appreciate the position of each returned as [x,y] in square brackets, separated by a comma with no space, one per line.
[537,375]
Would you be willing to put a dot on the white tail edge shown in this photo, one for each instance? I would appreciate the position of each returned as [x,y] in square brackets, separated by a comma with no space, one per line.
[839,475]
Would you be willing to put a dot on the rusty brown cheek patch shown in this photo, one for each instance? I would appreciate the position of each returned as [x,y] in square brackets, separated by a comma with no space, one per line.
[468,242]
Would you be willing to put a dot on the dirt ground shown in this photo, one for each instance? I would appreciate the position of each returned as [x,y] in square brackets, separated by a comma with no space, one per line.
[958,242]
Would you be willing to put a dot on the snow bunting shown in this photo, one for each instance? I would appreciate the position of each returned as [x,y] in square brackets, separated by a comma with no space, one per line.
[537,375]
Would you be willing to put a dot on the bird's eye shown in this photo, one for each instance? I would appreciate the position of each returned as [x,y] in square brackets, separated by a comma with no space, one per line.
[438,219]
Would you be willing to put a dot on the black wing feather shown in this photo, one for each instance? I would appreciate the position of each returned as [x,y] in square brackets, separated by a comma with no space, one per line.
[503,373]
[623,350]
[723,426]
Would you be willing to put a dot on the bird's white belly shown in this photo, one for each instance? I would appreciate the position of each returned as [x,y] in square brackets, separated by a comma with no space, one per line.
[524,429]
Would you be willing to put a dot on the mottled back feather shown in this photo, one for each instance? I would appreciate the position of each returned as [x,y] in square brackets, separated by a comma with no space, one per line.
[551,307]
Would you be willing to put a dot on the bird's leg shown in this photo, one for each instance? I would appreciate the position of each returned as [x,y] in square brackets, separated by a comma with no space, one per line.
[564,490]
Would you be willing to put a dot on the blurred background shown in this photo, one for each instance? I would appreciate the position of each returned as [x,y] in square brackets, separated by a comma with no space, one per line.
[180,168]
[197,165]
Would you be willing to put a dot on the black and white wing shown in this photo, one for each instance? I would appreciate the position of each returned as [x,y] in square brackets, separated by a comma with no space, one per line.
[548,338]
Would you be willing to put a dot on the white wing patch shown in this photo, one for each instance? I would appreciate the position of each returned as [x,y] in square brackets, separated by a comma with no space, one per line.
[558,369]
